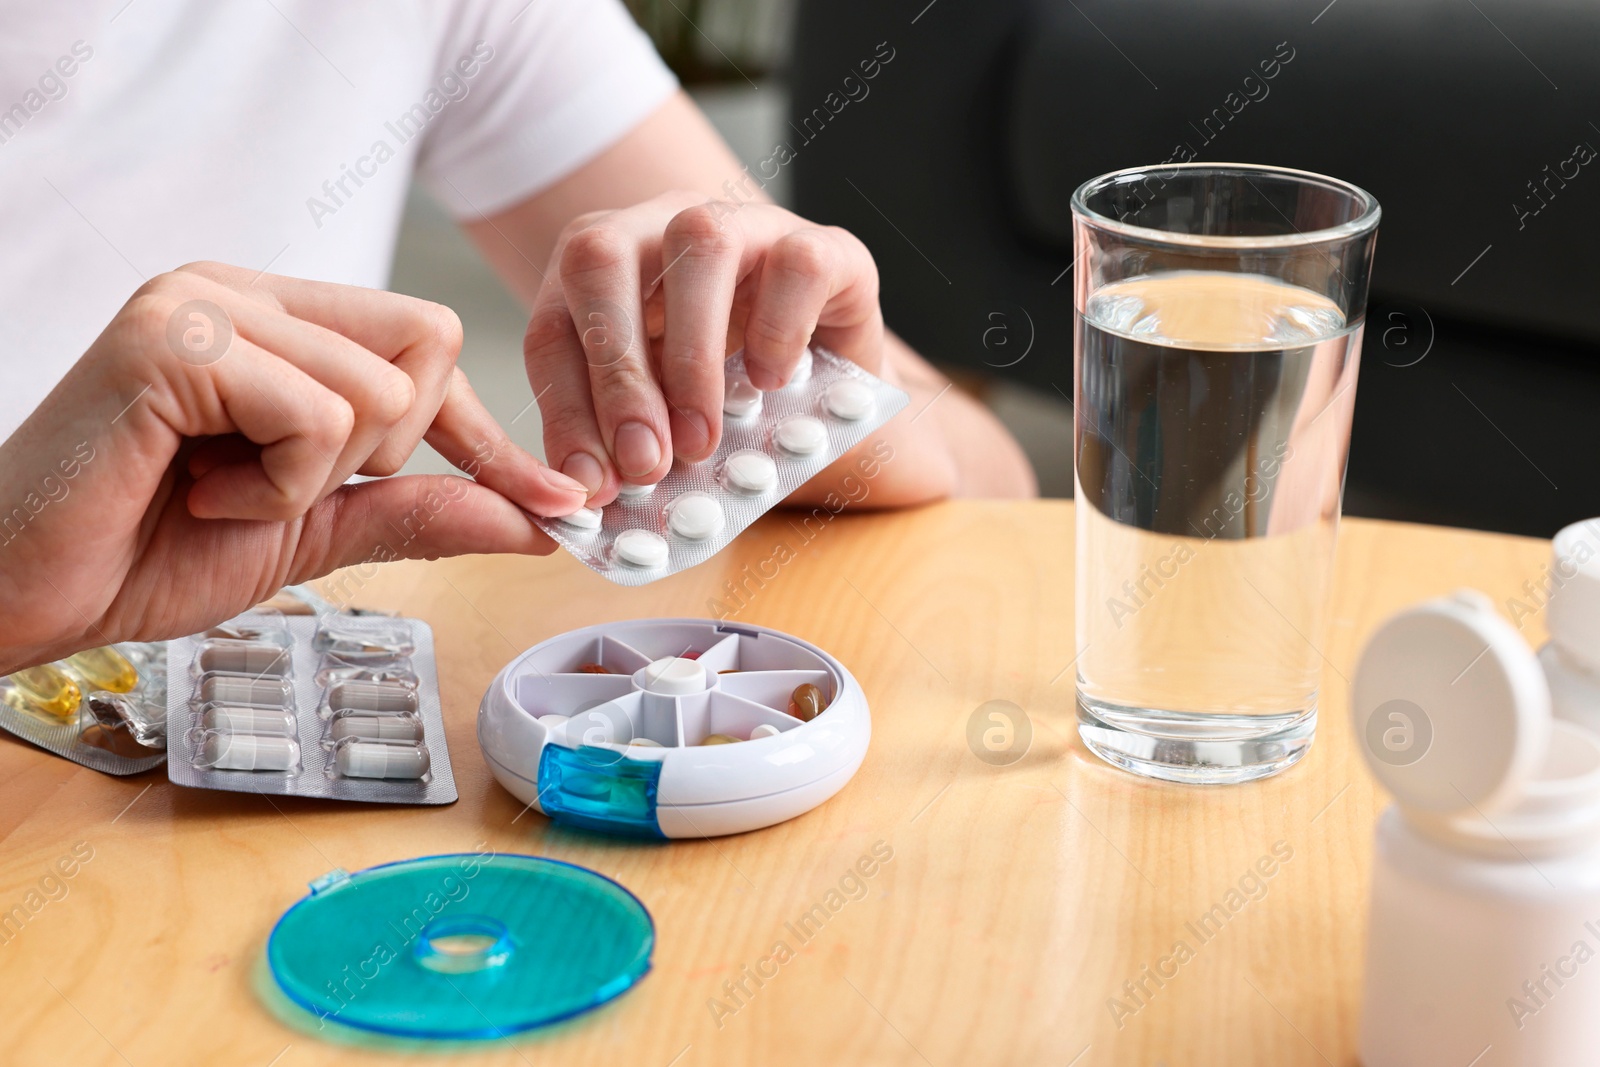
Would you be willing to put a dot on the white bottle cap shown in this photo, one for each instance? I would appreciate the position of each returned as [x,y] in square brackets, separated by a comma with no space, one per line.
[1450,707]
[1574,613]
[672,676]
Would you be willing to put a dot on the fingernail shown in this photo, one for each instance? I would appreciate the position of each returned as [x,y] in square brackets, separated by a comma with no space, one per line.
[690,438]
[585,470]
[556,480]
[636,449]
[762,378]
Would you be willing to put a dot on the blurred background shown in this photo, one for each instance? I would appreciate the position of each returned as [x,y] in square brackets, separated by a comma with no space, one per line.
[955,164]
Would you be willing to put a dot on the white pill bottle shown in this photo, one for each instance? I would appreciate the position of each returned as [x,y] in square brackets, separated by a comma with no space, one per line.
[1571,592]
[1483,947]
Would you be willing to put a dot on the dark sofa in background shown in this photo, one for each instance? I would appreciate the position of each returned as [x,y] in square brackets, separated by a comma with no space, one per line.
[1479,379]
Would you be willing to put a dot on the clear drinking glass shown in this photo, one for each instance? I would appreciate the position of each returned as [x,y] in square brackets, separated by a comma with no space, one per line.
[1219,318]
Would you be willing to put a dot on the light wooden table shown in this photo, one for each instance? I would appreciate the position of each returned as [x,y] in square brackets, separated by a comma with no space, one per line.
[1018,900]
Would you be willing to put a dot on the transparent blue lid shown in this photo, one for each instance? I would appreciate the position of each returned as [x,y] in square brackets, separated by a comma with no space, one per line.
[460,946]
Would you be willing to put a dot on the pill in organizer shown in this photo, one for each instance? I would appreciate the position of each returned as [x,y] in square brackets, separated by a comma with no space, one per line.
[674,727]
[338,706]
[771,444]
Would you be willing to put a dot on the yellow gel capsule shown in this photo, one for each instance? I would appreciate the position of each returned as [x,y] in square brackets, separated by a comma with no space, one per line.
[719,739]
[105,668]
[46,688]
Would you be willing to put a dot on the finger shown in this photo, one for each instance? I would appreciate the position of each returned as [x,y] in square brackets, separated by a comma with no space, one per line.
[382,322]
[703,248]
[816,282]
[419,516]
[383,396]
[300,425]
[464,433]
[560,378]
[601,281]
[217,451]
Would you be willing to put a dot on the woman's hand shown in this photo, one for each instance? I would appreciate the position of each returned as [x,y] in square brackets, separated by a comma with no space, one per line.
[194,460]
[640,307]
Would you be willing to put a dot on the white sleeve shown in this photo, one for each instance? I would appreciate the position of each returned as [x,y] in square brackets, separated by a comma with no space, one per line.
[557,82]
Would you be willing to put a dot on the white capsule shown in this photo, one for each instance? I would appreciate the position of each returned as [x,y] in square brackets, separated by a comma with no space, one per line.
[766,729]
[257,658]
[749,471]
[800,435]
[695,516]
[378,759]
[641,548]
[371,696]
[225,751]
[849,399]
[265,722]
[243,689]
[376,728]
[741,400]
[583,519]
[636,490]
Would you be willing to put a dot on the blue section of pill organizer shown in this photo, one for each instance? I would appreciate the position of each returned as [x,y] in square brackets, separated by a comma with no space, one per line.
[600,789]
[460,946]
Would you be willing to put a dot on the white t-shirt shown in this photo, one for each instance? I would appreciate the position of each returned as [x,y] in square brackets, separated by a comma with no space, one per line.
[139,135]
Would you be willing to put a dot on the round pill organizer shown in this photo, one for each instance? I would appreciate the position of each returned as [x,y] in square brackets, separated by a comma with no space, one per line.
[642,749]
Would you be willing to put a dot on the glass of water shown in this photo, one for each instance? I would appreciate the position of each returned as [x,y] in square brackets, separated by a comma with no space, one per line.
[1219,318]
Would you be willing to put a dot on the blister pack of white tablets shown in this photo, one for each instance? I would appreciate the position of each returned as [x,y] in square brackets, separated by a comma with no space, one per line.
[344,707]
[772,443]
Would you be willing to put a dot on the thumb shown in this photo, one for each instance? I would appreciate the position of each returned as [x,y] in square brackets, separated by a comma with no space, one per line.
[420,516]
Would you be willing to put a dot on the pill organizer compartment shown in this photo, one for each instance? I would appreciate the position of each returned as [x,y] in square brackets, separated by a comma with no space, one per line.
[672,727]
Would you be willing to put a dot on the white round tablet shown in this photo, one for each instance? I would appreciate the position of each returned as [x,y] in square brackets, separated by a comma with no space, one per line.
[766,729]
[849,399]
[635,490]
[583,519]
[641,548]
[800,434]
[741,399]
[696,516]
[802,372]
[749,471]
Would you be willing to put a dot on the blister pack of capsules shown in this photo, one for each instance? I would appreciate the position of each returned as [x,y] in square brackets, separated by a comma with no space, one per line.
[343,707]
[772,443]
[104,708]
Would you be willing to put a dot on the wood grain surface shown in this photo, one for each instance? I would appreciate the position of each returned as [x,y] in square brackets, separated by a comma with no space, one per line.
[1016,903]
